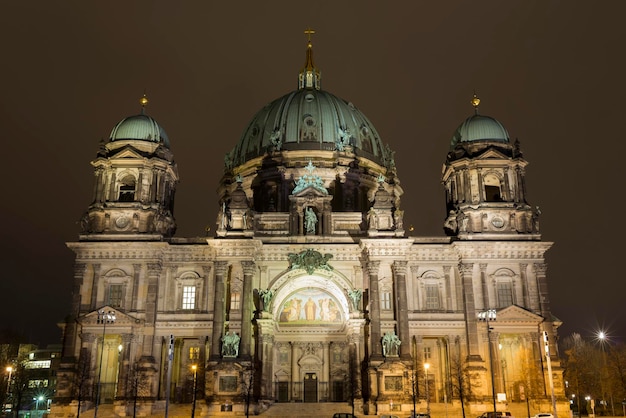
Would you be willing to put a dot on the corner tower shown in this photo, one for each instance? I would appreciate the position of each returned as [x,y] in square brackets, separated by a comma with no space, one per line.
[135,183]
[483,178]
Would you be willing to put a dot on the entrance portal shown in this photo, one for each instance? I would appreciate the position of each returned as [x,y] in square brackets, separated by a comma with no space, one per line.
[310,387]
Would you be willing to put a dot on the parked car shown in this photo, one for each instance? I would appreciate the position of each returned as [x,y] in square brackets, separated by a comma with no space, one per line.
[343,415]
[543,415]
[497,414]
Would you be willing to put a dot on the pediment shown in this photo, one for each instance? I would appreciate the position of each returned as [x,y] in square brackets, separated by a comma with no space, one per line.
[311,191]
[492,154]
[121,319]
[128,152]
[516,316]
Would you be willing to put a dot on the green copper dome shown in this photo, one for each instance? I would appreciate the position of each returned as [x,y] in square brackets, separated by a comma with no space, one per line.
[479,128]
[308,119]
[140,127]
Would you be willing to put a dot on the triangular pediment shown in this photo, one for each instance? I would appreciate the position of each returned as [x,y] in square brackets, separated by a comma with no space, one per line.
[516,317]
[310,191]
[492,154]
[93,318]
[127,152]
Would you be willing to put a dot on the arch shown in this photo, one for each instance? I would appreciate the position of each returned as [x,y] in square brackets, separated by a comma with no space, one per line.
[127,186]
[492,183]
[293,291]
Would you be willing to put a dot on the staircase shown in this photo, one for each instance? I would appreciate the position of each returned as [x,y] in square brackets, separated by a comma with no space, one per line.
[306,410]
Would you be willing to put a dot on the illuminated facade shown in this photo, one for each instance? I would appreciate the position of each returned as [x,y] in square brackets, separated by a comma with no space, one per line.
[310,290]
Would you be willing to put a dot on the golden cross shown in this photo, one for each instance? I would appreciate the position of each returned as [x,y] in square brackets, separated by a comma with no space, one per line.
[309,32]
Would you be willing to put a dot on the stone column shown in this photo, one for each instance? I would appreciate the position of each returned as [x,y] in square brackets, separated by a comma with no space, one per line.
[295,371]
[94,285]
[484,285]
[154,270]
[402,314]
[326,369]
[218,311]
[249,268]
[136,273]
[481,186]
[267,357]
[70,333]
[466,270]
[524,279]
[377,349]
[125,367]
[205,302]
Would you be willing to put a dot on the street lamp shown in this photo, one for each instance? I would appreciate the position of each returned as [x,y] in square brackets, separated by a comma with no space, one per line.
[195,382]
[426,367]
[487,316]
[602,337]
[104,318]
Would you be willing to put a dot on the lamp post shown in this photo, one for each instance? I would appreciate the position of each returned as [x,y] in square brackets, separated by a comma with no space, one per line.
[426,367]
[602,337]
[104,318]
[195,382]
[487,316]
[10,372]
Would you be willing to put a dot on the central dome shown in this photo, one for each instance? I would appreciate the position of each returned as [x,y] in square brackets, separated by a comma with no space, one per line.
[308,119]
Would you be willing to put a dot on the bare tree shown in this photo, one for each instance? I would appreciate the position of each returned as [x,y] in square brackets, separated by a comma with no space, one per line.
[460,380]
[82,380]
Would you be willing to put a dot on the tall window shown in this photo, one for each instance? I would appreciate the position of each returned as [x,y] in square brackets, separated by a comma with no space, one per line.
[432,296]
[492,189]
[189,297]
[235,301]
[127,189]
[505,294]
[115,295]
[194,353]
[385,301]
[427,354]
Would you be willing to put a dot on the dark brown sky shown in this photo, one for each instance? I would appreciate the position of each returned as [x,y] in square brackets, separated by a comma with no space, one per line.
[551,71]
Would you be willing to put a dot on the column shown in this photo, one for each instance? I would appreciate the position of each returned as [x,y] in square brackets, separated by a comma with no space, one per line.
[69,339]
[205,303]
[402,314]
[484,285]
[154,270]
[136,272]
[524,279]
[481,186]
[218,311]
[505,190]
[94,285]
[295,372]
[249,268]
[466,270]
[267,351]
[326,371]
[377,349]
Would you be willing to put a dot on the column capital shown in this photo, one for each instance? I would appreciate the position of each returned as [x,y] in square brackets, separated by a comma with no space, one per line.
[220,267]
[249,267]
[373,267]
[399,267]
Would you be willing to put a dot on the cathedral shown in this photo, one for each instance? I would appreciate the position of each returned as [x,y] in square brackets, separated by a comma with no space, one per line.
[311,289]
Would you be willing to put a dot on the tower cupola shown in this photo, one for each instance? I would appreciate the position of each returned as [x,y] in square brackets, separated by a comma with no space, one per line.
[135,183]
[483,178]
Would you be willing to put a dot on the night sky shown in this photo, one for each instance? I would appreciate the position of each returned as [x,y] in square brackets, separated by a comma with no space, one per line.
[552,72]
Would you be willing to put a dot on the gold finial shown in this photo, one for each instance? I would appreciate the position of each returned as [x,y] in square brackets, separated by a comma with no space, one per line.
[475,102]
[308,32]
[143,100]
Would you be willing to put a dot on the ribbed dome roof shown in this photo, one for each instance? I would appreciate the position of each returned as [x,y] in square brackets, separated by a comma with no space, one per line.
[308,119]
[139,127]
[479,128]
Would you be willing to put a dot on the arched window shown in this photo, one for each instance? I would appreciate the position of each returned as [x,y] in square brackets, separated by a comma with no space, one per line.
[127,189]
[493,191]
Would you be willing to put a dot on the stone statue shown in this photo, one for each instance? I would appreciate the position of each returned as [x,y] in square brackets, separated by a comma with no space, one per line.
[276,140]
[398,217]
[391,343]
[230,344]
[266,297]
[372,219]
[310,221]
[355,296]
